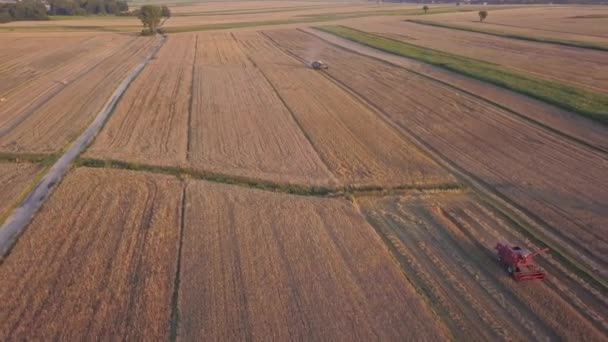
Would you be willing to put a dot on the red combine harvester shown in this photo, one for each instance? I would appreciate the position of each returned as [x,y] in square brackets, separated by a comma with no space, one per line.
[519,261]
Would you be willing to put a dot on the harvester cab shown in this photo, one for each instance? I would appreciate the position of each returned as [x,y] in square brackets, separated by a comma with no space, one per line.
[518,261]
[318,65]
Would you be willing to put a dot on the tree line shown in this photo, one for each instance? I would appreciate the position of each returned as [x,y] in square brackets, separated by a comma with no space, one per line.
[37,10]
[84,7]
[23,10]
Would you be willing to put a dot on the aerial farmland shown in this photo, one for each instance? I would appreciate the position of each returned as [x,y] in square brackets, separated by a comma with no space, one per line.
[196,176]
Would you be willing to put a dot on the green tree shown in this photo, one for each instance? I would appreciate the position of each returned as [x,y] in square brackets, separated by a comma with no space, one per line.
[123,6]
[28,10]
[150,16]
[425,8]
[165,11]
[483,15]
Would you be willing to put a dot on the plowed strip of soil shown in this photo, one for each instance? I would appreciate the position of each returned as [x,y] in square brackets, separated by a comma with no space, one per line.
[97,262]
[150,123]
[358,148]
[14,178]
[239,126]
[446,245]
[265,266]
[535,170]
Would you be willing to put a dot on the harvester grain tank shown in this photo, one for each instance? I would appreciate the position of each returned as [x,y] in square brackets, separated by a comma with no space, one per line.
[518,261]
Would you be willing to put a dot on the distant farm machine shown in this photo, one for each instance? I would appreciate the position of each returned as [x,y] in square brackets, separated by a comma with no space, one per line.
[318,65]
[518,261]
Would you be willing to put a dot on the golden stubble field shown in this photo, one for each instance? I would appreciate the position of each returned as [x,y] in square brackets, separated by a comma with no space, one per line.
[143,256]
[258,265]
[535,169]
[101,260]
[247,109]
[52,97]
[98,261]
[586,23]
[445,243]
[583,68]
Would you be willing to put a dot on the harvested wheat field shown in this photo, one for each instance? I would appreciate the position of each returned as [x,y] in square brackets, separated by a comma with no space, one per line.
[58,114]
[239,126]
[584,23]
[14,180]
[150,123]
[31,56]
[269,12]
[30,76]
[98,261]
[561,120]
[445,244]
[535,170]
[580,67]
[266,266]
[358,147]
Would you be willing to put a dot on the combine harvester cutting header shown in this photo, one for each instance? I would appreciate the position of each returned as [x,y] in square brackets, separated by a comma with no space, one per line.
[519,261]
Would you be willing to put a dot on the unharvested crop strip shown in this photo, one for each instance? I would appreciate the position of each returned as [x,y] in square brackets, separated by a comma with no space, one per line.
[296,189]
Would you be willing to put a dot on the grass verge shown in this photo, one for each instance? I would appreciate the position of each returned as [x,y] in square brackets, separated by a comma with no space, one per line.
[295,189]
[586,103]
[572,43]
[44,159]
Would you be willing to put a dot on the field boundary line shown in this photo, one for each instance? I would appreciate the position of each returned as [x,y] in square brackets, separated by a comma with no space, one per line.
[265,185]
[176,283]
[188,133]
[539,124]
[18,221]
[540,231]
